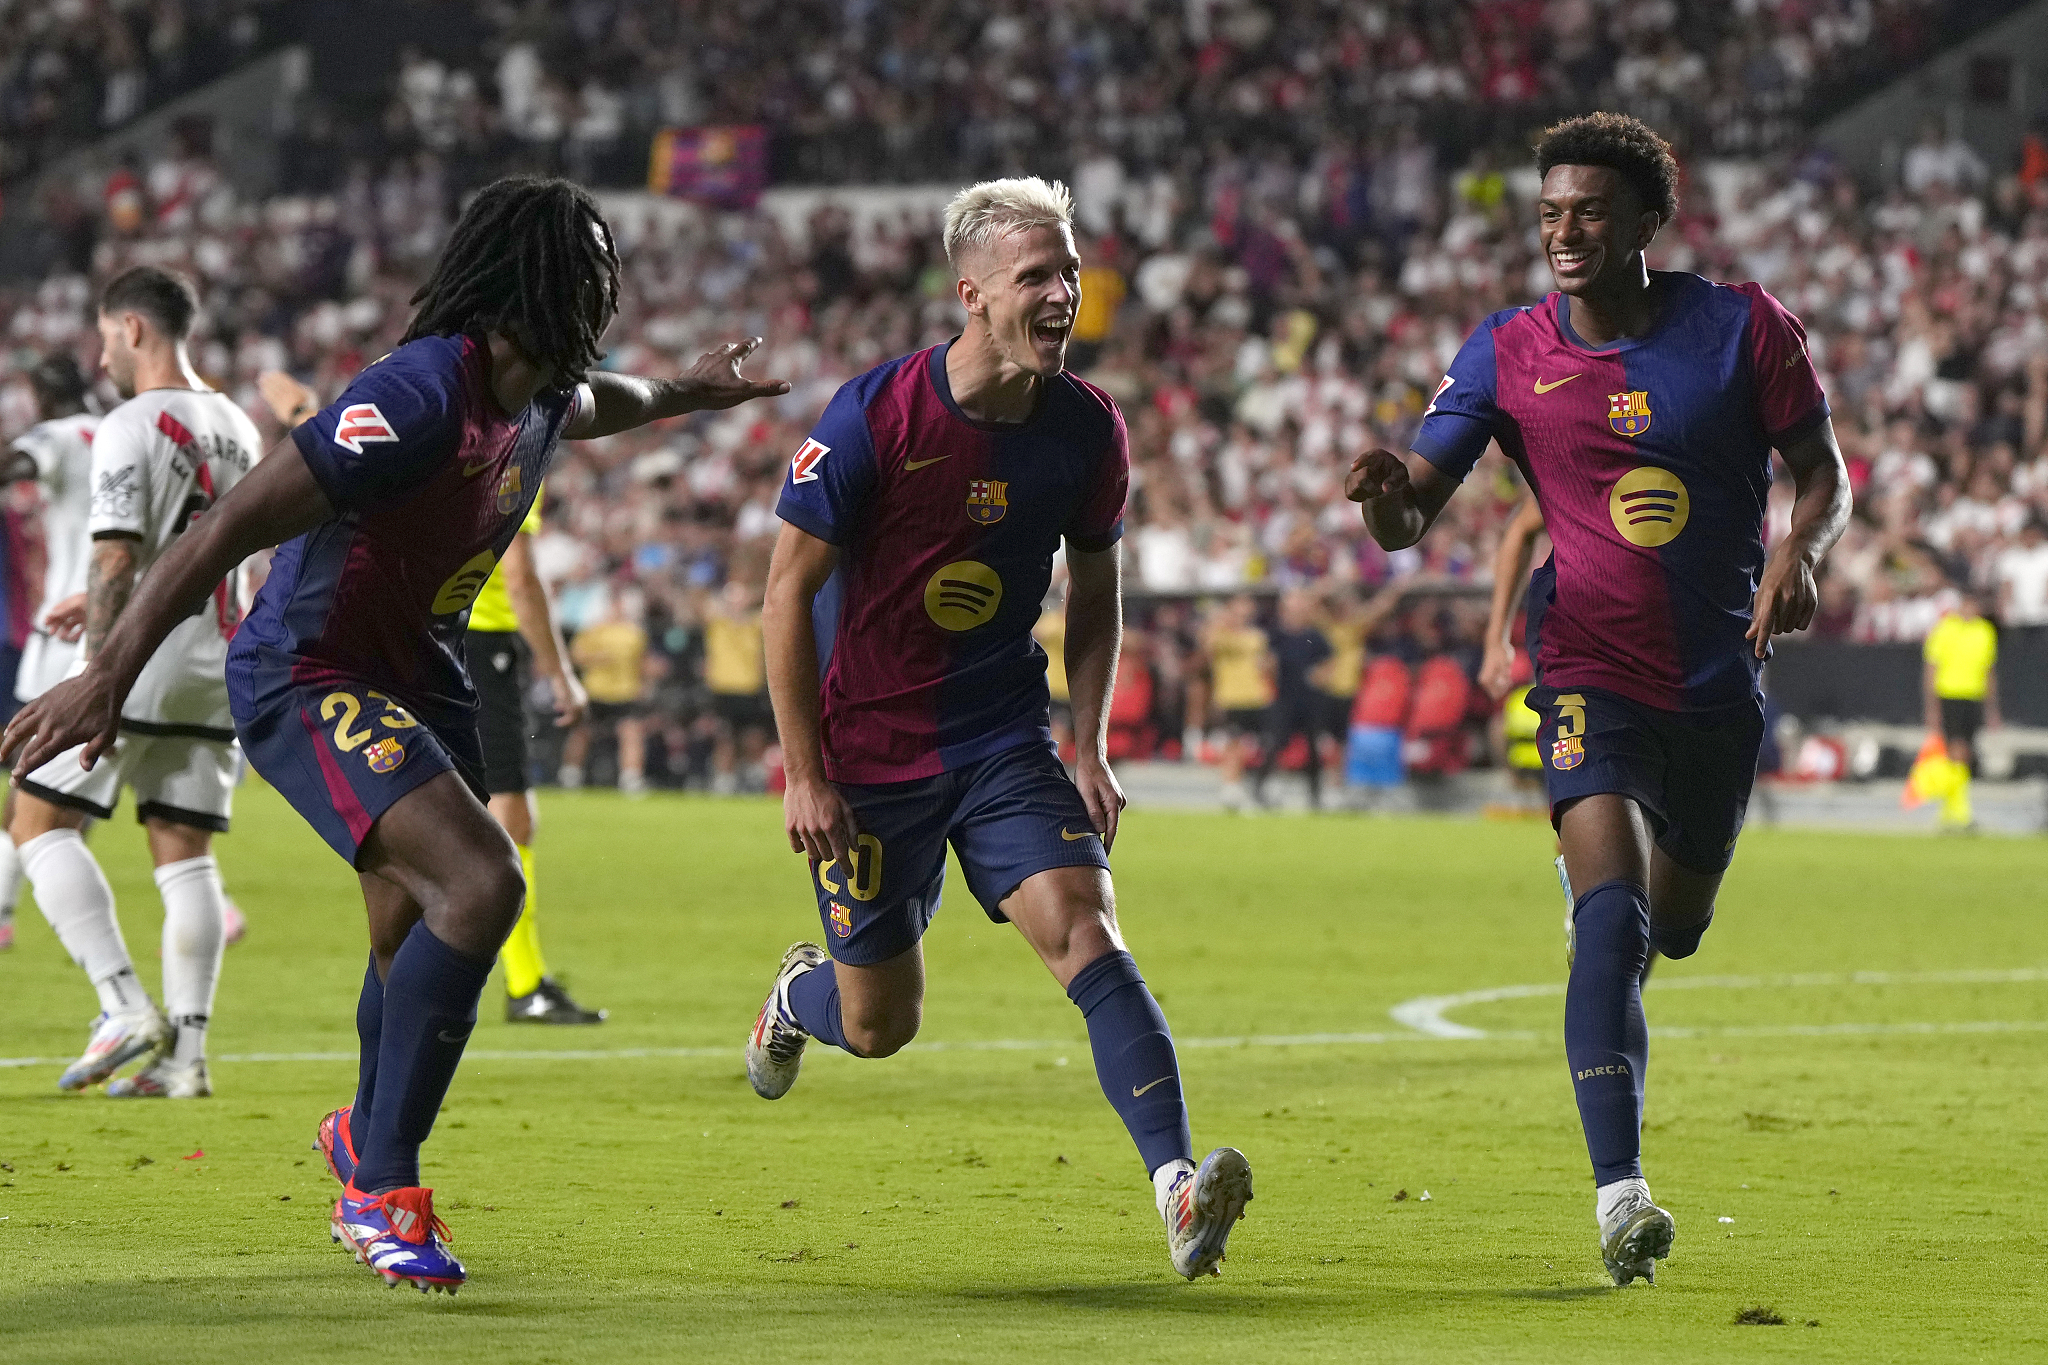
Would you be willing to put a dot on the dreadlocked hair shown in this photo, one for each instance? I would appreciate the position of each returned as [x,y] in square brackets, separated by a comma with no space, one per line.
[531,258]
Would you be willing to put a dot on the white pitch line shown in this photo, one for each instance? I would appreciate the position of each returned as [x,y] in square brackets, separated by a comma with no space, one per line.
[1427,1013]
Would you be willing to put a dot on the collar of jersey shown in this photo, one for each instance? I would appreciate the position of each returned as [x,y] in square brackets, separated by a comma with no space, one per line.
[1560,309]
[935,366]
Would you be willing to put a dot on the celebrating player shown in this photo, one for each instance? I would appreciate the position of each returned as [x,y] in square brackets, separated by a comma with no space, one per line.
[158,462]
[1643,407]
[921,519]
[511,617]
[392,506]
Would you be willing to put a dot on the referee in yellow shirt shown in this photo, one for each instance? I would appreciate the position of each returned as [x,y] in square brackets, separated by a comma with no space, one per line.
[1961,688]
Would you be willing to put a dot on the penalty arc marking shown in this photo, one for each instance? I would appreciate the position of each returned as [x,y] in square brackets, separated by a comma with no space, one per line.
[1424,1019]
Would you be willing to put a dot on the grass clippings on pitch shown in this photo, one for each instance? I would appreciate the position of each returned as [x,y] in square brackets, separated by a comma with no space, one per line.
[1876,1142]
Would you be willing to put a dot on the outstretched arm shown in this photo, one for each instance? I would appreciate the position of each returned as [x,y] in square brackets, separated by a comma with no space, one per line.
[1510,582]
[612,403]
[1095,632]
[277,500]
[1399,498]
[1786,597]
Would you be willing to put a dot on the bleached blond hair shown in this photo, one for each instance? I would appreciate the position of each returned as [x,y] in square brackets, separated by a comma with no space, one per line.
[982,214]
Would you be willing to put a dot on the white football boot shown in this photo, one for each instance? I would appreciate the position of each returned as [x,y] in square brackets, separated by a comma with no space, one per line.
[1202,1206]
[164,1079]
[775,1049]
[1571,931]
[1635,1235]
[117,1039]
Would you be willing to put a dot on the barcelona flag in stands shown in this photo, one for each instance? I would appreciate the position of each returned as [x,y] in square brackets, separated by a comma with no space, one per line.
[724,165]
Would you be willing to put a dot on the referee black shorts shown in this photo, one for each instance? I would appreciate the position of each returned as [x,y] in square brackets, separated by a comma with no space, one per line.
[498,662]
[1961,719]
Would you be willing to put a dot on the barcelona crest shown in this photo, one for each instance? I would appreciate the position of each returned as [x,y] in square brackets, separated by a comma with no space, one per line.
[385,755]
[1568,753]
[842,919]
[987,500]
[509,489]
[1629,413]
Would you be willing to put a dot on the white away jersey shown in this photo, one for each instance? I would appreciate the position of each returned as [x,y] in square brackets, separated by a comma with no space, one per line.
[158,461]
[62,451]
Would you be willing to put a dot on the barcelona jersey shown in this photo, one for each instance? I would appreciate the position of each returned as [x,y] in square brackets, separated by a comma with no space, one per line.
[1651,461]
[947,529]
[429,481]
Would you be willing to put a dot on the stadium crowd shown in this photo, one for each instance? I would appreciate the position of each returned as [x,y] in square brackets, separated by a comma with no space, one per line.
[1260,317]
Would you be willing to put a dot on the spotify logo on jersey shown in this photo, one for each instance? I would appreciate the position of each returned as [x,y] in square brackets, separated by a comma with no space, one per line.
[1649,506]
[964,595]
[464,584]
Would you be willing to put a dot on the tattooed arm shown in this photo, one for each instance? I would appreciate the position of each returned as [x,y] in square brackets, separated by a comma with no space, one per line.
[109,585]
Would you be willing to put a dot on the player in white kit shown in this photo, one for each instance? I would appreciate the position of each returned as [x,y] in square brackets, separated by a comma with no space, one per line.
[57,453]
[158,460]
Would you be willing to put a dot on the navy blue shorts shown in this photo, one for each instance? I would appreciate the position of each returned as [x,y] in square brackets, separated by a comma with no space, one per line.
[343,754]
[1010,815]
[1690,771]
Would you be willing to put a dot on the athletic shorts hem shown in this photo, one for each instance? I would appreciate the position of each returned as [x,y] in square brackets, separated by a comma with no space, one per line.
[64,799]
[176,815]
[1091,856]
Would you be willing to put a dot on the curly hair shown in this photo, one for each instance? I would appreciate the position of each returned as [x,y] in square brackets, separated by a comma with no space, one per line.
[532,258]
[1623,144]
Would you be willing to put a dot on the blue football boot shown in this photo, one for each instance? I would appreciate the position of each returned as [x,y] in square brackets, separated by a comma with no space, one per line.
[397,1235]
[333,1142]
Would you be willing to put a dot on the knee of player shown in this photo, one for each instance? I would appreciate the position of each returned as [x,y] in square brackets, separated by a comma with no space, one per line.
[882,1033]
[492,894]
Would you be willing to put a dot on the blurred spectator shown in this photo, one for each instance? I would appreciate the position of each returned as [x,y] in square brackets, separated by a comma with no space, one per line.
[735,673]
[1300,654]
[1240,688]
[611,656]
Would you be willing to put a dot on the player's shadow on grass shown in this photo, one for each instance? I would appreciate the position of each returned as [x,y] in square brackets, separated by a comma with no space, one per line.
[1562,1293]
[1162,1297]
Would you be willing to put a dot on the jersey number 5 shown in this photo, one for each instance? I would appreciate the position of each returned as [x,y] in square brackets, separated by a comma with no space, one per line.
[1571,715]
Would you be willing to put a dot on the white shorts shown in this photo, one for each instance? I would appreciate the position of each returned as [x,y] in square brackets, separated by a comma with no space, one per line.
[45,660]
[179,778]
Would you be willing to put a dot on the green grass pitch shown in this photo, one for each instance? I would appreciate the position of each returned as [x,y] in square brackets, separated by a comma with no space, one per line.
[1877,1144]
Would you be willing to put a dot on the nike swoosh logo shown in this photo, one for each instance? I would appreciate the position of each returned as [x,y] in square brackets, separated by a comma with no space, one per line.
[1084,834]
[446,1037]
[470,471]
[909,465]
[1136,1090]
[1542,387]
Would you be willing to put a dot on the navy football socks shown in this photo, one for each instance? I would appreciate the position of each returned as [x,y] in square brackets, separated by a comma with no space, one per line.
[1606,1040]
[1134,1058]
[814,1000]
[429,1009]
[1676,943]
[370,1034]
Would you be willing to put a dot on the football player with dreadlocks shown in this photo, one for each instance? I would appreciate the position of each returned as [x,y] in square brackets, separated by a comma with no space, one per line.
[389,509]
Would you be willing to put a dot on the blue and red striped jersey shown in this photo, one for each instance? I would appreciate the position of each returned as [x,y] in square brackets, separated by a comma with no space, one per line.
[1651,460]
[429,481]
[947,529]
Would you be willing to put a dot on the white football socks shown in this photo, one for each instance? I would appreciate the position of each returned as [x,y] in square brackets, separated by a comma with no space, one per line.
[194,910]
[10,876]
[1608,1198]
[76,899]
[1163,1178]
